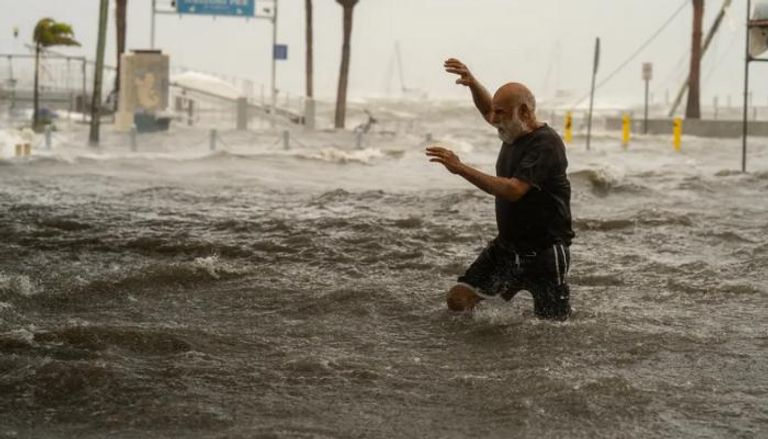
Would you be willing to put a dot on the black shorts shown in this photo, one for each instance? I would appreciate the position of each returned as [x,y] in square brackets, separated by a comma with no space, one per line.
[502,271]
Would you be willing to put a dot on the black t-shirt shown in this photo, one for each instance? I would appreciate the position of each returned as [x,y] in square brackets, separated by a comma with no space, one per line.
[542,217]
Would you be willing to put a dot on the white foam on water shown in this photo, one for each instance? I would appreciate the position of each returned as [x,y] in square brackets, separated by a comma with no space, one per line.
[17,285]
[211,265]
[24,335]
[455,144]
[495,312]
[336,155]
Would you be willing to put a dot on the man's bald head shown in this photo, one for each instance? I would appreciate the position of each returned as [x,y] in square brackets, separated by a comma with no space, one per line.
[514,111]
[513,94]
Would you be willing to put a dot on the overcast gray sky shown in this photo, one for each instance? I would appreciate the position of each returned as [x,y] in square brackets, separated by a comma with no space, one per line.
[545,43]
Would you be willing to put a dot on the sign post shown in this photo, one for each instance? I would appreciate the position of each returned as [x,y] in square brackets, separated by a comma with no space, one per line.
[592,92]
[647,76]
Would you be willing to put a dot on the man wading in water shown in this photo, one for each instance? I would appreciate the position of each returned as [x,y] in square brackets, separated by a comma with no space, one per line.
[533,213]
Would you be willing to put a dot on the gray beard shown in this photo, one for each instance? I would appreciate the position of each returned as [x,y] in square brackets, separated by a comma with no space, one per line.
[509,132]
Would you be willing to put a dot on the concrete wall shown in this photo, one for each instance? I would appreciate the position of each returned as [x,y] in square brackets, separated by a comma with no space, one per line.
[692,127]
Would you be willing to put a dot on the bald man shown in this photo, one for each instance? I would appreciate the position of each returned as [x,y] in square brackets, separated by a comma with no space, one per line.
[533,213]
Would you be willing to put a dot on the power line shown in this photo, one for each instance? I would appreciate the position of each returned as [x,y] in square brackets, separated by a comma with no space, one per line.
[638,51]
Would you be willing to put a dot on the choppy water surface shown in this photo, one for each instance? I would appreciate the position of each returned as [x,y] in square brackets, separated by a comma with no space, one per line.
[259,292]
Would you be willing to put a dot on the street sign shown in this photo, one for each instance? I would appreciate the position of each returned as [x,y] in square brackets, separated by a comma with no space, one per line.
[647,71]
[281,51]
[237,8]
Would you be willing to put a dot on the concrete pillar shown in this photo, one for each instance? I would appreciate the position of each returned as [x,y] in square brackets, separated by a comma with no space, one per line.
[48,140]
[213,140]
[242,114]
[132,135]
[309,113]
[286,139]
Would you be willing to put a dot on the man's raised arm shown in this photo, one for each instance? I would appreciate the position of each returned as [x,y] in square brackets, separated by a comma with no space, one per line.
[479,94]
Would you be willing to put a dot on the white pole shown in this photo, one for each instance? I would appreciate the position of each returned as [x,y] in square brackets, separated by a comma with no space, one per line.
[152,27]
[272,54]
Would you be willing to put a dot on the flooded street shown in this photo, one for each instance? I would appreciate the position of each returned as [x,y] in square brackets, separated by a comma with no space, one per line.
[261,292]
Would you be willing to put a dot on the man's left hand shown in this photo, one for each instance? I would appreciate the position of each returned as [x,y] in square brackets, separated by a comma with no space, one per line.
[445,157]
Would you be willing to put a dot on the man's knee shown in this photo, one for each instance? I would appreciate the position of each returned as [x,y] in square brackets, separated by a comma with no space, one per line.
[461,298]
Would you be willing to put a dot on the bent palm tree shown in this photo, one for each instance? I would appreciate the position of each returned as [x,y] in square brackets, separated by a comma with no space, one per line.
[341,96]
[48,33]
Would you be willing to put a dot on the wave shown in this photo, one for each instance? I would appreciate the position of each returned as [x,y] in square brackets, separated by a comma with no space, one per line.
[17,286]
[335,155]
[65,224]
[99,338]
[184,246]
[601,181]
[658,217]
[147,278]
[603,225]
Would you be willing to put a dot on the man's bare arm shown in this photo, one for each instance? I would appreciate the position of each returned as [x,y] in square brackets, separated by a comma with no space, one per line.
[510,189]
[480,95]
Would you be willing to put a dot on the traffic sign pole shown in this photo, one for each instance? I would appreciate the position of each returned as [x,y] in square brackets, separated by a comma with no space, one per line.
[647,76]
[274,61]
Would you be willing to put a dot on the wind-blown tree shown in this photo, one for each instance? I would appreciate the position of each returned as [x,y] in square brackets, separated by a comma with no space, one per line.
[48,33]
[692,108]
[341,95]
[120,21]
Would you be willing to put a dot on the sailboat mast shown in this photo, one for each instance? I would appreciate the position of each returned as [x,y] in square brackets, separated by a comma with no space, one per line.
[399,59]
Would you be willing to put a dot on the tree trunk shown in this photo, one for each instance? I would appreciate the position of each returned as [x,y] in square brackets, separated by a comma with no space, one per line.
[341,96]
[36,104]
[310,60]
[93,137]
[120,21]
[693,109]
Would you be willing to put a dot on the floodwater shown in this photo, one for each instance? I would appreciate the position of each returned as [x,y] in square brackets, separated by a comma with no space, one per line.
[262,292]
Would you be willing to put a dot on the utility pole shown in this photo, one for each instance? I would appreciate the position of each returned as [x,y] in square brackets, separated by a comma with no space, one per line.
[707,42]
[93,138]
[310,58]
[693,107]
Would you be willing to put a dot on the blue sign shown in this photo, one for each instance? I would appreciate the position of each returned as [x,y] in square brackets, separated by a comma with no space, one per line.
[281,51]
[237,8]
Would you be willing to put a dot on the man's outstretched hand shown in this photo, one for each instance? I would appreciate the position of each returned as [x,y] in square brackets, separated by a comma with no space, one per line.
[445,157]
[455,66]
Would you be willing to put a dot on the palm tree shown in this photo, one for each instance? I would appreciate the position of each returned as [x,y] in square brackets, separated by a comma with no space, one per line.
[341,96]
[120,21]
[308,7]
[692,109]
[48,33]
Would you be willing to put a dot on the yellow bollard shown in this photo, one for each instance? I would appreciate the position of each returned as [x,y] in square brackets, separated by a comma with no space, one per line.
[27,149]
[568,137]
[677,133]
[626,128]
[19,150]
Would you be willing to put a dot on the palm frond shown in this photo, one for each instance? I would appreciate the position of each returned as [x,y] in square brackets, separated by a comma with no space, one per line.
[52,33]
